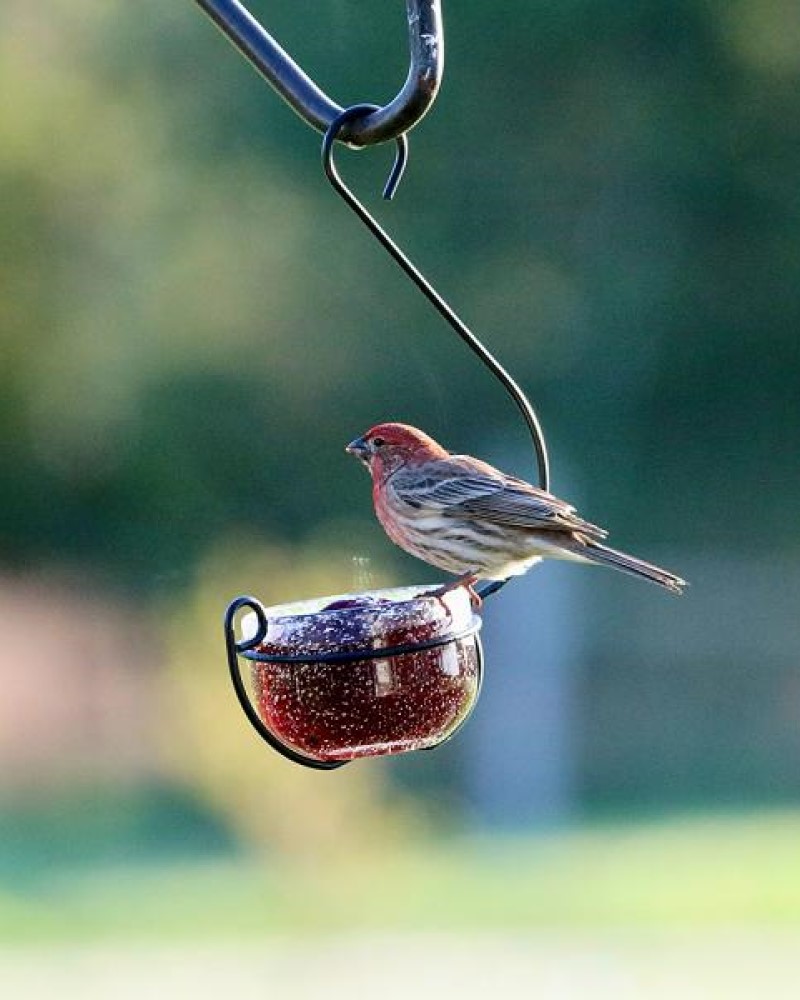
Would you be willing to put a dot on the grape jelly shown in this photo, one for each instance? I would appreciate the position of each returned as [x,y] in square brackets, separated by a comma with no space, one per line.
[331,704]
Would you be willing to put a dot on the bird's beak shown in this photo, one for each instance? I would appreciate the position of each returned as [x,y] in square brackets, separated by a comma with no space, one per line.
[359,448]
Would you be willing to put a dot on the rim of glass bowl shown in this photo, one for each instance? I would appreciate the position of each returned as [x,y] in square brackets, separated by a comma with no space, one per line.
[248,645]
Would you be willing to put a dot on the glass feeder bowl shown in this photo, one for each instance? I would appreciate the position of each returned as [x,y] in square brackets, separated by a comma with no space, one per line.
[338,678]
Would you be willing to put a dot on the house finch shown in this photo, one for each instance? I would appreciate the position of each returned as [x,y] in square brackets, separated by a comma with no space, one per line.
[468,518]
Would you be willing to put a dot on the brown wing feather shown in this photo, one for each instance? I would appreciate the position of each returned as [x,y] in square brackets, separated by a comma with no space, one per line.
[461,486]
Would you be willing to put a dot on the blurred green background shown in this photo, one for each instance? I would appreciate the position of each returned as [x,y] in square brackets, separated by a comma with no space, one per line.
[192,326]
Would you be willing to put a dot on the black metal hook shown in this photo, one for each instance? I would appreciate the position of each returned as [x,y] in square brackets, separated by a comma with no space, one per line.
[413,101]
[395,174]
[427,289]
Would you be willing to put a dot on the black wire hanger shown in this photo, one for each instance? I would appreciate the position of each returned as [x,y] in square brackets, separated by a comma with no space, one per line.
[427,289]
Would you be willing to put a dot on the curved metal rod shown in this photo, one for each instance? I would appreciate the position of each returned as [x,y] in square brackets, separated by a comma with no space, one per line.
[232,648]
[434,298]
[400,156]
[426,47]
[359,655]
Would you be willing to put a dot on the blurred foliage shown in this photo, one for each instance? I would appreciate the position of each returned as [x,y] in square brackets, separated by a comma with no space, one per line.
[192,325]
[717,872]
[81,828]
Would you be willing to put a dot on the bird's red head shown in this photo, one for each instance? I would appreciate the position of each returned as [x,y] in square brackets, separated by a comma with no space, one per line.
[387,447]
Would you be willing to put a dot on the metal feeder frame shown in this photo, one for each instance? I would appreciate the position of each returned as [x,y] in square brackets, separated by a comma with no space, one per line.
[248,648]
[358,126]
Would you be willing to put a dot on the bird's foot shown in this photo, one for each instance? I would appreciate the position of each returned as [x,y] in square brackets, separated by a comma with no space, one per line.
[468,581]
[475,598]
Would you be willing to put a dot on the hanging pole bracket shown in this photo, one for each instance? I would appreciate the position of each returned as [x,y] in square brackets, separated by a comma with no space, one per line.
[413,101]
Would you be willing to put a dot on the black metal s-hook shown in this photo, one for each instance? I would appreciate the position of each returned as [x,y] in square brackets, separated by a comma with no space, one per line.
[369,123]
[427,289]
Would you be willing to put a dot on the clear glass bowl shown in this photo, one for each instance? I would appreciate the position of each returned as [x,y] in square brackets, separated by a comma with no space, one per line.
[384,672]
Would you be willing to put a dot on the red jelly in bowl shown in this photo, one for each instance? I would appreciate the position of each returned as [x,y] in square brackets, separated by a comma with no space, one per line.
[385,672]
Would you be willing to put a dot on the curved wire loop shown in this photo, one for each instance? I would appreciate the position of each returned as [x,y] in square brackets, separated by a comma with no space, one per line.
[233,649]
[400,157]
[427,289]
[374,653]
[413,101]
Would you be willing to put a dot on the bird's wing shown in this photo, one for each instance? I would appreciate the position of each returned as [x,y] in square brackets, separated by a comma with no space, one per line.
[460,486]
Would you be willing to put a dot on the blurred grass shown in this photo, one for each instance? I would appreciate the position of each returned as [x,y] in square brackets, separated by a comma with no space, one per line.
[684,872]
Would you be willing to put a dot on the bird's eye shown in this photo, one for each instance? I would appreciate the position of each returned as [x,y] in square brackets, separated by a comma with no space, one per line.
[378,442]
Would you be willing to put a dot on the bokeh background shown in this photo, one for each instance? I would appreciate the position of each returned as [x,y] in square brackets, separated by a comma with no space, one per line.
[192,326]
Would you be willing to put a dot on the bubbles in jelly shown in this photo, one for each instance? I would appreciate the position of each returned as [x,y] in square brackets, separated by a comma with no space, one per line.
[371,706]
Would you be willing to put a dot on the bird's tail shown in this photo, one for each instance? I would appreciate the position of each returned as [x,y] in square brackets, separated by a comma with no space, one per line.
[599,553]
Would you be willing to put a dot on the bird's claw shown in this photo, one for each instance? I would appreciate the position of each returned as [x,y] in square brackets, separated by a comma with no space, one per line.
[468,583]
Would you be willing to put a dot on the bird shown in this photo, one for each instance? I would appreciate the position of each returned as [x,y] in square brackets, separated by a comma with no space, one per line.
[468,518]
